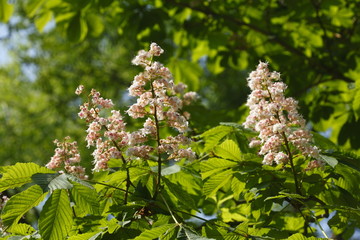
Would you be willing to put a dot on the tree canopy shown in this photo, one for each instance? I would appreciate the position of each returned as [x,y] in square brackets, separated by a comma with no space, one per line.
[211,46]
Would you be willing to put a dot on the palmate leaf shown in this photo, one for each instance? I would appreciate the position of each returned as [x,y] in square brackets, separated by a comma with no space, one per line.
[21,229]
[180,193]
[85,236]
[187,234]
[20,204]
[56,217]
[215,182]
[85,198]
[20,174]
[51,181]
[299,236]
[214,165]
[214,136]
[155,232]
[329,160]
[228,150]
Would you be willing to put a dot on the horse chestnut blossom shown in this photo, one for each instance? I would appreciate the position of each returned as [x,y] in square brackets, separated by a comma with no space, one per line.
[67,153]
[277,120]
[157,101]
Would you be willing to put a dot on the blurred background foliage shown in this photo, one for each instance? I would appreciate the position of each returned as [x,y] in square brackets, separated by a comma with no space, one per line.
[52,46]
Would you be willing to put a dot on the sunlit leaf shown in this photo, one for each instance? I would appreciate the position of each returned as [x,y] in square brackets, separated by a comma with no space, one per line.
[215,182]
[51,181]
[215,135]
[228,150]
[6,10]
[180,193]
[330,160]
[21,229]
[56,217]
[155,232]
[20,204]
[214,165]
[42,20]
[32,6]
[85,198]
[20,174]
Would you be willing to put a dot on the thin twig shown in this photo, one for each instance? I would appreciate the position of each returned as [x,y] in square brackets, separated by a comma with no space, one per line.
[171,213]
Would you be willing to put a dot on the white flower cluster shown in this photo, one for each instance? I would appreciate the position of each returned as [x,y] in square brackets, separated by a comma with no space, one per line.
[67,152]
[277,120]
[156,101]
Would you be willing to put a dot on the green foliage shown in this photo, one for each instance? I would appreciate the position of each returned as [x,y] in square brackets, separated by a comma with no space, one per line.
[20,204]
[6,10]
[56,219]
[20,174]
[211,46]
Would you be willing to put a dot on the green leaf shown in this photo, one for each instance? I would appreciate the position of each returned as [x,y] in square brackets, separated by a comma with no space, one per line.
[20,174]
[155,232]
[6,10]
[42,20]
[323,142]
[186,72]
[356,101]
[170,170]
[21,229]
[215,182]
[214,165]
[180,193]
[77,28]
[188,234]
[286,195]
[96,27]
[228,150]
[77,180]
[170,234]
[85,236]
[329,160]
[237,187]
[20,204]
[85,198]
[215,135]
[299,236]
[32,6]
[51,181]
[56,217]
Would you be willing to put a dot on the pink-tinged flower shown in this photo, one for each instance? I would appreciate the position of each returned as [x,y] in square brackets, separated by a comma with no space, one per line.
[79,89]
[149,128]
[276,118]
[103,153]
[269,158]
[281,157]
[183,153]
[180,88]
[190,97]
[155,50]
[3,201]
[156,101]
[142,151]
[67,154]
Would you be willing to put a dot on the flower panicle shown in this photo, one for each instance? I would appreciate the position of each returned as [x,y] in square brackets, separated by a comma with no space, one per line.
[277,119]
[67,155]
[159,102]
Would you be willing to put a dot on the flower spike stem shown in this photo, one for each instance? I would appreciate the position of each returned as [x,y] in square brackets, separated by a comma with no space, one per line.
[128,181]
[159,161]
[297,186]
